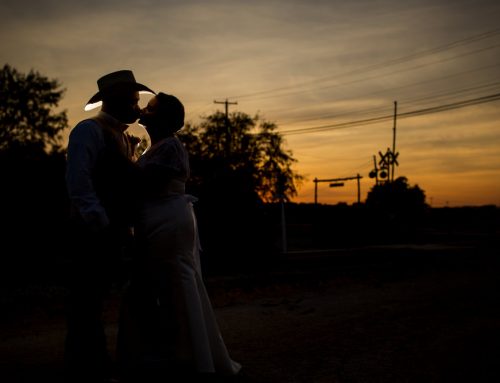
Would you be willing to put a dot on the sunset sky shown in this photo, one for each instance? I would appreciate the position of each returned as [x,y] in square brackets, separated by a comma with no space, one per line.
[315,68]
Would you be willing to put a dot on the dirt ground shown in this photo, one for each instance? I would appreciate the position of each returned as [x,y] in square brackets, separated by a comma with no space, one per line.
[379,314]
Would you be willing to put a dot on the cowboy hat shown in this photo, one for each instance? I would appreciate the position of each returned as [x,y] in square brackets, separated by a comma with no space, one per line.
[122,78]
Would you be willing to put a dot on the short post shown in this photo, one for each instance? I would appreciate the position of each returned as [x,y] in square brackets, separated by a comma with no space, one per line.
[359,189]
[283,227]
[316,191]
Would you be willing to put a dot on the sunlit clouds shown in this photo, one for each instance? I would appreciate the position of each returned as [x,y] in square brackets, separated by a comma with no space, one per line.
[308,66]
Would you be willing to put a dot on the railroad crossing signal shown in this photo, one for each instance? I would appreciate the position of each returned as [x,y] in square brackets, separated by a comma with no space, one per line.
[388,160]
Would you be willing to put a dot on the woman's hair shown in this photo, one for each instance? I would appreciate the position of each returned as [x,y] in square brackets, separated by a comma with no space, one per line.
[171,110]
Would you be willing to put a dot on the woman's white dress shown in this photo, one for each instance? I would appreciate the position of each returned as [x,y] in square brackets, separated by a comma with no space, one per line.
[167,230]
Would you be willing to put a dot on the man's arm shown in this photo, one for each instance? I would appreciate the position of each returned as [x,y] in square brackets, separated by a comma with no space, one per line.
[85,142]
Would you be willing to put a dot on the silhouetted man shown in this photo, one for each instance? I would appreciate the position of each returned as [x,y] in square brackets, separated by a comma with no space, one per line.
[99,182]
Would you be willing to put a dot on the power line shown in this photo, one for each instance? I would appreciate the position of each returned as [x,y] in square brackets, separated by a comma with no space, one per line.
[423,98]
[428,97]
[201,109]
[441,48]
[438,49]
[379,76]
[419,112]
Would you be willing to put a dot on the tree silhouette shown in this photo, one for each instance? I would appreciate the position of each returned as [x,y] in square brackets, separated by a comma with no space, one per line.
[398,209]
[27,118]
[396,197]
[33,197]
[237,165]
[241,155]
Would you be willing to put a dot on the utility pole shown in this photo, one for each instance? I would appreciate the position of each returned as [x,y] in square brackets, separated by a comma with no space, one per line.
[226,104]
[394,138]
[228,130]
[374,172]
[389,160]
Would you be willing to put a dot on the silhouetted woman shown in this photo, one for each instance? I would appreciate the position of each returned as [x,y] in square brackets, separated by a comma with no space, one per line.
[169,284]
